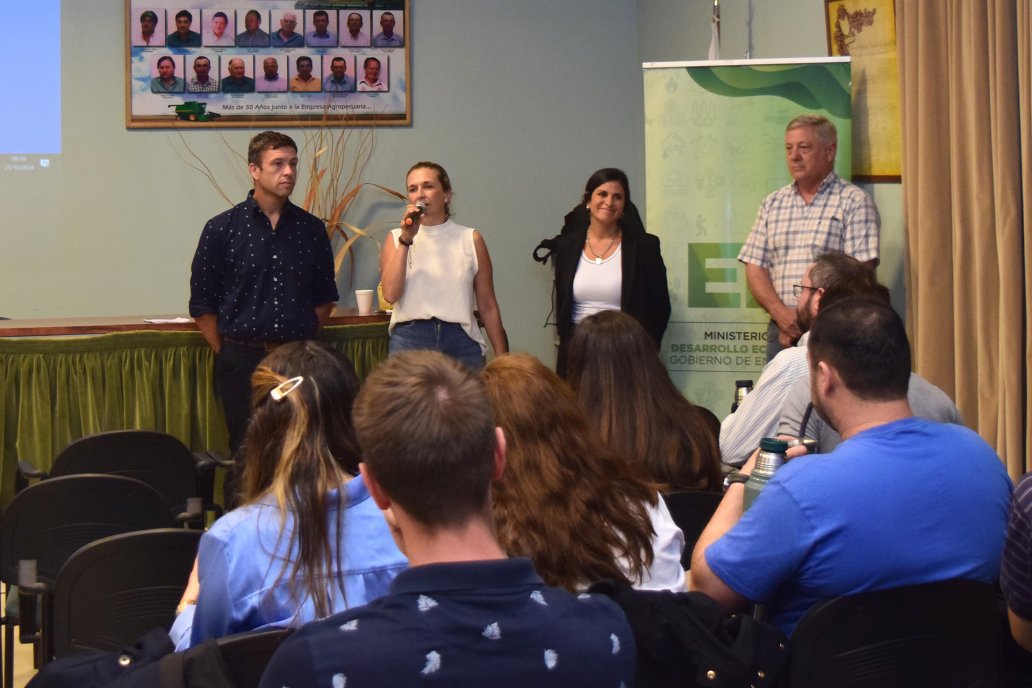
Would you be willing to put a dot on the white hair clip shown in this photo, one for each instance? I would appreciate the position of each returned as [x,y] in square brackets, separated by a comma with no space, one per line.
[286,387]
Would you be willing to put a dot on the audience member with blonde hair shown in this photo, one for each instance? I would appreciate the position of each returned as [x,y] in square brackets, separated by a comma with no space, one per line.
[464,613]
[643,416]
[580,511]
[308,541]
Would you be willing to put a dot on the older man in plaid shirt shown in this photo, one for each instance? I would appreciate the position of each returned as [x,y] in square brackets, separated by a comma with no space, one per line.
[818,213]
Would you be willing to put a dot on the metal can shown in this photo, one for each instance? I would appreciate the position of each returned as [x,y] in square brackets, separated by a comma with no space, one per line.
[770,459]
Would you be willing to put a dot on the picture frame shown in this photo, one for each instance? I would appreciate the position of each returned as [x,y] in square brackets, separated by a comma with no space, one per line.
[865,30]
[254,63]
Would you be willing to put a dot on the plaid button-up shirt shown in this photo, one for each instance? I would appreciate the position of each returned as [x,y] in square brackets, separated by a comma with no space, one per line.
[789,233]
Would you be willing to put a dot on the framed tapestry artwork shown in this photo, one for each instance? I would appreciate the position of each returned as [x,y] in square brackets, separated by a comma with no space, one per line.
[865,30]
[245,63]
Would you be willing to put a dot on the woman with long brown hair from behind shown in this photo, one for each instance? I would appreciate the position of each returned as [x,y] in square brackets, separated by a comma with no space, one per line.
[641,415]
[578,510]
[308,540]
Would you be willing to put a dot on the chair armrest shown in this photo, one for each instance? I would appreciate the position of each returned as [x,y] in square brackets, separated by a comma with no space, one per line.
[29,590]
[206,463]
[28,581]
[194,514]
[205,459]
[28,470]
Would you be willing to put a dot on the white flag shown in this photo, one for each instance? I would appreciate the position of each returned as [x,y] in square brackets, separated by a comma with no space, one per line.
[714,46]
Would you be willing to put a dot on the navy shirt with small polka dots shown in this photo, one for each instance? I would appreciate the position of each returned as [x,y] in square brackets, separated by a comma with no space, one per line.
[263,284]
[472,623]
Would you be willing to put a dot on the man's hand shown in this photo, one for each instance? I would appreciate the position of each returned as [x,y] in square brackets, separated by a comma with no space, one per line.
[750,464]
[794,451]
[762,289]
[208,324]
[323,312]
[785,317]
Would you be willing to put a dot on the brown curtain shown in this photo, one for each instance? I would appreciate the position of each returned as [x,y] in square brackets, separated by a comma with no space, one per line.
[967,201]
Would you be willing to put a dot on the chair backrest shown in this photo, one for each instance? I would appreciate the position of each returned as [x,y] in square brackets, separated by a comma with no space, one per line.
[113,590]
[155,458]
[691,511]
[247,654]
[937,634]
[51,520]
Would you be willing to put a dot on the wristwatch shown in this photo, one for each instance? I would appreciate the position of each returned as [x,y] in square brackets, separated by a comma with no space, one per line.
[734,477]
[403,242]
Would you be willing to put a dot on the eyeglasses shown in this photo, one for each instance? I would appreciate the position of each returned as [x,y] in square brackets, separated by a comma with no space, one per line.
[797,289]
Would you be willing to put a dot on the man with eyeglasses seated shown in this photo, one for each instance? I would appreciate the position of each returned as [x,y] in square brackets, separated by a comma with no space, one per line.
[757,416]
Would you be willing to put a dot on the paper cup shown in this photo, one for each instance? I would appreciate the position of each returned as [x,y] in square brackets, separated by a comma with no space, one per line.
[364,298]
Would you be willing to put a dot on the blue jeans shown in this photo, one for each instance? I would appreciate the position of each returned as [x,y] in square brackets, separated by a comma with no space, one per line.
[773,340]
[437,335]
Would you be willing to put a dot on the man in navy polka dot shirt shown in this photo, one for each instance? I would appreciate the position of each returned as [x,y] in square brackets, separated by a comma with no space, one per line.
[463,614]
[262,275]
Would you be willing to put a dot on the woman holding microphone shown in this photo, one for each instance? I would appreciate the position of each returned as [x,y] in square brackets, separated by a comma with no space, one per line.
[437,272]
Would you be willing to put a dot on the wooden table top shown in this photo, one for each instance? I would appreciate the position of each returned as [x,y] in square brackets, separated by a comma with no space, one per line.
[49,327]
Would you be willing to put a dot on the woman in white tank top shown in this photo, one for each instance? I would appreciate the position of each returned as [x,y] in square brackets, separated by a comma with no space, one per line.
[437,273]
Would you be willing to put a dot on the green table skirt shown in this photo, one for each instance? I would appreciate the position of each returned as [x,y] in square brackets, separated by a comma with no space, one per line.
[57,389]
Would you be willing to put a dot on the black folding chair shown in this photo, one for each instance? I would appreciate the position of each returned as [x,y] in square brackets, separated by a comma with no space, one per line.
[48,522]
[247,654]
[115,589]
[937,634]
[183,478]
[691,511]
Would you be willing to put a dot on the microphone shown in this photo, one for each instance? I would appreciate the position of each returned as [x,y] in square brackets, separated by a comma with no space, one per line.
[411,218]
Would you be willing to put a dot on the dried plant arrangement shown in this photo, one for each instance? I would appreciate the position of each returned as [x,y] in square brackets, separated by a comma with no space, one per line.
[336,157]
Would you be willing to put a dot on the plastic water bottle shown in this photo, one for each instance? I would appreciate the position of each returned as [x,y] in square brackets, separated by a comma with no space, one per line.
[771,458]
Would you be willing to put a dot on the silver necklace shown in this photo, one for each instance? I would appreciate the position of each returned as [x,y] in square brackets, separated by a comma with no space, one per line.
[598,258]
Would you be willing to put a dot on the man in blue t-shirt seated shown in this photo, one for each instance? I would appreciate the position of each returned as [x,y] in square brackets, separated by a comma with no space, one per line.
[464,614]
[901,501]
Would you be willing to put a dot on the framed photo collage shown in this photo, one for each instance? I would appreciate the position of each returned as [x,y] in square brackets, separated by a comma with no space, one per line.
[232,63]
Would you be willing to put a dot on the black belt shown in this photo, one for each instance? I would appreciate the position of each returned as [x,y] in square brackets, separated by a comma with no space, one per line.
[254,343]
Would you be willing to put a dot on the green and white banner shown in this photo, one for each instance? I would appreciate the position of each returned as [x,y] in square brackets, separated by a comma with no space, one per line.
[714,149]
